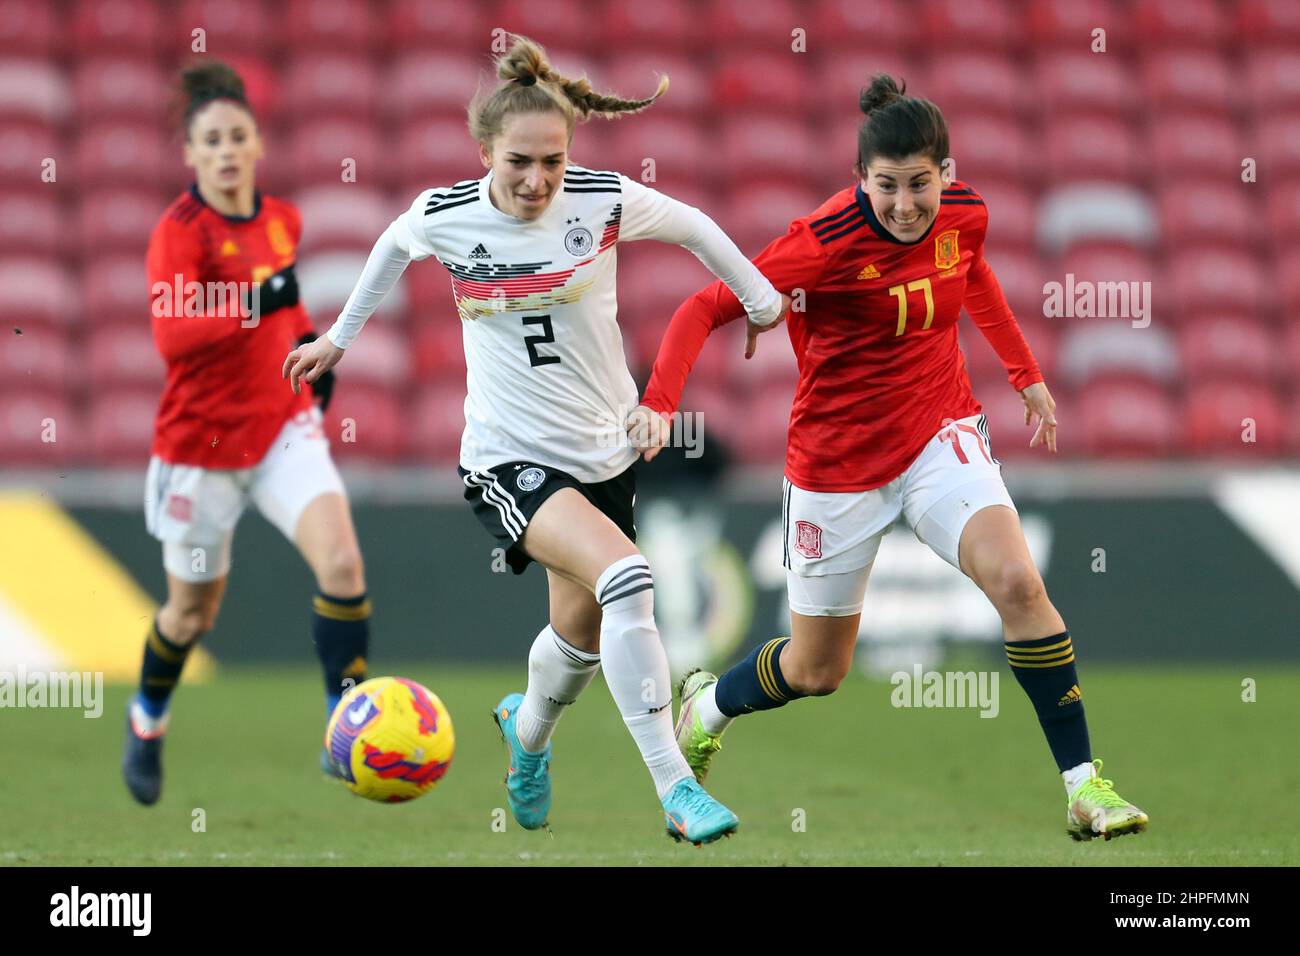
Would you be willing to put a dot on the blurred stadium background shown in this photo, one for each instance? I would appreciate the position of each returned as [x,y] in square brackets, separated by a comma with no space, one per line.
[1170,524]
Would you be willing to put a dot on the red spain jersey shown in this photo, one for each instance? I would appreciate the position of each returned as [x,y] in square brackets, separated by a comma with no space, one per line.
[876,344]
[224,401]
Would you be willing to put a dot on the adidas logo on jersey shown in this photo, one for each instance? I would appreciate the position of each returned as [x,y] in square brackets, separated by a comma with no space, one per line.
[478,252]
[1071,696]
[228,248]
[870,272]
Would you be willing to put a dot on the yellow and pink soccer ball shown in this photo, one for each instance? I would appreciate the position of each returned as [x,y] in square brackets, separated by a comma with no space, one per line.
[392,739]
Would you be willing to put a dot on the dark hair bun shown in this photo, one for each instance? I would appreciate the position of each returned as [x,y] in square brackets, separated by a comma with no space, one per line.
[882,91]
[208,81]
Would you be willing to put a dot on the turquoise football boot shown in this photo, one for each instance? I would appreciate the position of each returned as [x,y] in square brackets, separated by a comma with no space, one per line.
[692,816]
[528,781]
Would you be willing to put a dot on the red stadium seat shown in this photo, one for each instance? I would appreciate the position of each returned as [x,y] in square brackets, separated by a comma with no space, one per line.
[1068,24]
[1273,80]
[653,280]
[24,147]
[437,421]
[1210,279]
[1217,414]
[245,25]
[843,76]
[1013,217]
[1269,21]
[120,88]
[1279,144]
[759,436]
[1229,348]
[984,24]
[981,82]
[665,25]
[319,150]
[1199,81]
[124,354]
[1125,420]
[116,288]
[635,75]
[1021,276]
[112,155]
[121,426]
[433,24]
[343,216]
[118,221]
[766,81]
[119,26]
[1090,148]
[41,290]
[31,222]
[983,363]
[1292,429]
[1209,210]
[1184,22]
[768,147]
[755,216]
[1290,356]
[330,86]
[1082,84]
[33,91]
[381,357]
[1196,145]
[438,352]
[1105,350]
[580,27]
[985,146]
[679,147]
[346,25]
[434,152]
[367,423]
[854,26]
[28,417]
[38,359]
[1004,410]
[1288,286]
[428,83]
[29,29]
[760,24]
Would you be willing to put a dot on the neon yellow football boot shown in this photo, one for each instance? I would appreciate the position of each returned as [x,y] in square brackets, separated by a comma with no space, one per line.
[1096,810]
[696,744]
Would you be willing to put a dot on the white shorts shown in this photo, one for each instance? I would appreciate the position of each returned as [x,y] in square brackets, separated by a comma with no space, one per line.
[193,511]
[831,538]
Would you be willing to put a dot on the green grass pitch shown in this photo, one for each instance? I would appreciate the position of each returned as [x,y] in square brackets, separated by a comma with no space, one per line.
[871,784]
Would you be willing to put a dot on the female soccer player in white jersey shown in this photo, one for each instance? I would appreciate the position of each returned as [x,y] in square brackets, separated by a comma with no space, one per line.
[544,457]
[884,425]
[228,432]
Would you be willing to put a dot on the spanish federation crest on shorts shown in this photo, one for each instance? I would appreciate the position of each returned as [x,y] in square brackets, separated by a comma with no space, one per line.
[808,539]
[530,479]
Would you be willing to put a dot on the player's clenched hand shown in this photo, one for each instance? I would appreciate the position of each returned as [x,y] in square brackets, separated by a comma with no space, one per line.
[752,331]
[648,431]
[1039,404]
[309,362]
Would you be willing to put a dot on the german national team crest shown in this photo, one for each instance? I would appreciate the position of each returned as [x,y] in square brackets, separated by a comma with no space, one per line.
[808,539]
[530,479]
[578,241]
[946,253]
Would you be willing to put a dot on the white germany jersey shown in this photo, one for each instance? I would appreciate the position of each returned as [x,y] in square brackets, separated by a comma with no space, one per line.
[547,376]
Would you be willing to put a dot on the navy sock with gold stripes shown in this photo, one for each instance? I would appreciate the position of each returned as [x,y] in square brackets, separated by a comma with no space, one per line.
[340,628]
[161,670]
[1045,669]
[756,683]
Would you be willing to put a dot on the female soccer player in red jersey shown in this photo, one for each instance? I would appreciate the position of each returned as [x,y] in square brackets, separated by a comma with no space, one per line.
[227,431]
[884,424]
[531,249]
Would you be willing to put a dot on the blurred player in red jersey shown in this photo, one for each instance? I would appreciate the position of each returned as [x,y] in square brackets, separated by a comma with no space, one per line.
[884,425]
[227,431]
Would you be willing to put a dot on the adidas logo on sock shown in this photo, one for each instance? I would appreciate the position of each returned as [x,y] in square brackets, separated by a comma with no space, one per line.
[478,252]
[1071,696]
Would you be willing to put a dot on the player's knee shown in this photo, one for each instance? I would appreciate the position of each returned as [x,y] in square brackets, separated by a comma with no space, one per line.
[185,624]
[1016,585]
[343,573]
[817,680]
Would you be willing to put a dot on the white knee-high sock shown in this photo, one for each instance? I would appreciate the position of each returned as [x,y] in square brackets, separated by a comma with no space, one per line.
[557,673]
[636,667]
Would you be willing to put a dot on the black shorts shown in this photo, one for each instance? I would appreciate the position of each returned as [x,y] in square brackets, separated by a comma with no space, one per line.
[506,498]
